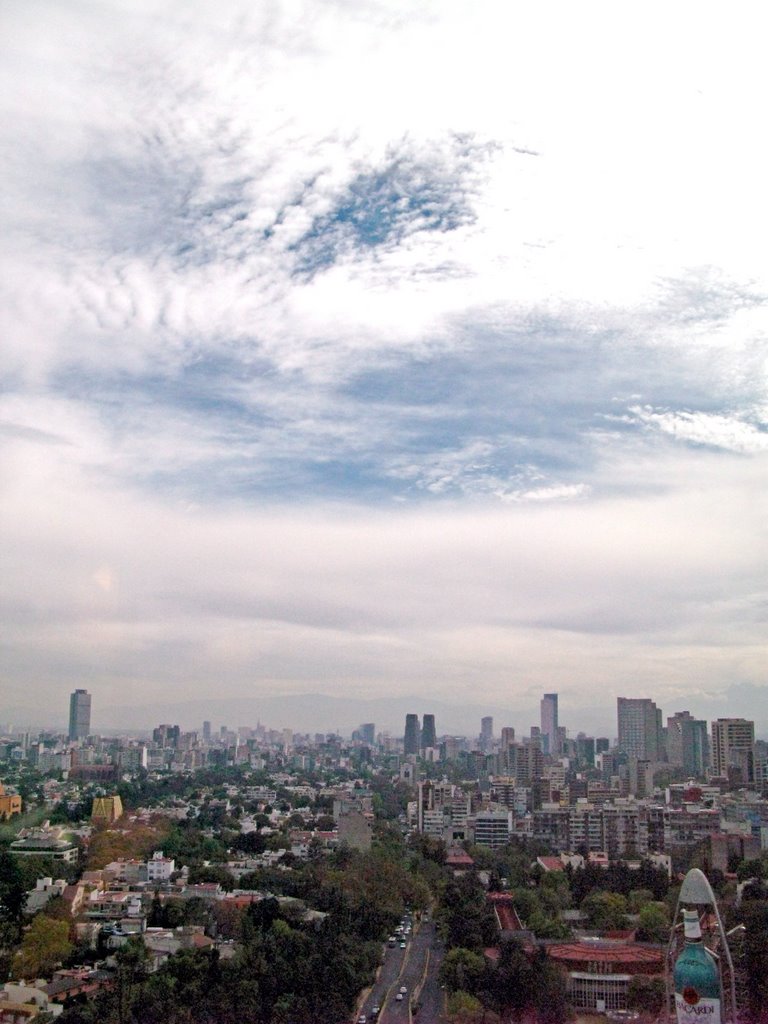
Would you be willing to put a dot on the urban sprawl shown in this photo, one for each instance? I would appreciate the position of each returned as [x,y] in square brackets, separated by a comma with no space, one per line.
[264,876]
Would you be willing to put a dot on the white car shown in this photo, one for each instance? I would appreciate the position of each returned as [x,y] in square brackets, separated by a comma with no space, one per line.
[399,997]
[403,990]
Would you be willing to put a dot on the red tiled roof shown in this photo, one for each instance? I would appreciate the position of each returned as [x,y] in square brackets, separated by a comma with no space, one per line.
[624,954]
[550,863]
[457,856]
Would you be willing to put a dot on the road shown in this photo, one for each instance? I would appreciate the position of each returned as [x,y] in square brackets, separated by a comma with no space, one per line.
[420,961]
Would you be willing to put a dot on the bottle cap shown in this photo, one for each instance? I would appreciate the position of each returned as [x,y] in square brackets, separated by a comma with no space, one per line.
[691,924]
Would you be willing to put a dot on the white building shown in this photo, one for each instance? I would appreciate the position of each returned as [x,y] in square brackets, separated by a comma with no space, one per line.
[160,868]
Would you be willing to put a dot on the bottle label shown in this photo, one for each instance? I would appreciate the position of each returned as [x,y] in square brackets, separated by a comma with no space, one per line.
[690,1006]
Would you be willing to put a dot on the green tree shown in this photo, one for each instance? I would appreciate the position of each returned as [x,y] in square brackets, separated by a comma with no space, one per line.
[750,869]
[638,899]
[464,1008]
[508,985]
[606,911]
[646,994]
[755,960]
[45,944]
[13,893]
[653,923]
[551,993]
[462,970]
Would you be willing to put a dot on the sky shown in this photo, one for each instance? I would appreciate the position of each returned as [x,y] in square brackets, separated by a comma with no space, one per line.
[377,348]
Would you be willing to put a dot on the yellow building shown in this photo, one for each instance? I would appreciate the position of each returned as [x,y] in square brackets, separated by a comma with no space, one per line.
[10,804]
[106,808]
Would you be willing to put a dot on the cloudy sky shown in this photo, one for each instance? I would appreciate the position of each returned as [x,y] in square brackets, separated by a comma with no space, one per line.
[384,348]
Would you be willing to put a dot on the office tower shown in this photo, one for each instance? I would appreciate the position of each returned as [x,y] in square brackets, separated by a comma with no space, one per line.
[639,728]
[507,736]
[368,733]
[450,748]
[549,723]
[687,744]
[602,744]
[733,745]
[166,735]
[529,761]
[207,732]
[79,715]
[585,750]
[428,734]
[486,733]
[412,737]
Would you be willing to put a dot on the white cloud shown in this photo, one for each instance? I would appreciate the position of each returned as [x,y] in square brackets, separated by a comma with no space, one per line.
[731,433]
[535,265]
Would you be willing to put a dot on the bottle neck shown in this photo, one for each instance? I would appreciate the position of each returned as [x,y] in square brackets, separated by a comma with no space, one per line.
[692,927]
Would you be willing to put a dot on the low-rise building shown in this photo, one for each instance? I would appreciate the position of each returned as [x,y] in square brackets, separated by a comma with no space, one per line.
[44,842]
[10,804]
[600,970]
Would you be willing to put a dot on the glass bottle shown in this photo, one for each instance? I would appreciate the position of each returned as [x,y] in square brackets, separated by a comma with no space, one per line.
[696,977]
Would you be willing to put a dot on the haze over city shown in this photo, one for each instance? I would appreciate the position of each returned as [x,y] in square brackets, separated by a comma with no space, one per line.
[404,352]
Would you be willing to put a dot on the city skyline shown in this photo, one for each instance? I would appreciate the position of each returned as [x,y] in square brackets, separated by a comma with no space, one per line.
[331,371]
[637,727]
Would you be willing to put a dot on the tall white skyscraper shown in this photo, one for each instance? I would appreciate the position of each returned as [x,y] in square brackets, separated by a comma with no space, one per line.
[549,723]
[79,715]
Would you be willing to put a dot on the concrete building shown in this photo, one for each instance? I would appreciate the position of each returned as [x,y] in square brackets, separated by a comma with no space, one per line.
[549,726]
[486,733]
[160,868]
[492,828]
[107,809]
[79,715]
[428,734]
[600,971]
[10,804]
[733,746]
[639,722]
[687,744]
[44,842]
[412,736]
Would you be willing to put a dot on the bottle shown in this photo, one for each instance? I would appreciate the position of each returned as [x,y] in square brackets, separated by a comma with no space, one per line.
[696,977]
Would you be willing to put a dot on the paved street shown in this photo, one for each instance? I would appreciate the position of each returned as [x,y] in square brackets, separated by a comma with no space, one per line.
[419,961]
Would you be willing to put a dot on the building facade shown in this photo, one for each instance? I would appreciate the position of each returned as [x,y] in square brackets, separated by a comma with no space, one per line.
[549,726]
[412,736]
[733,746]
[639,722]
[79,715]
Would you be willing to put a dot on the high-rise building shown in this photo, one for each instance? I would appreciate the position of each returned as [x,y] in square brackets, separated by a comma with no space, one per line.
[486,733]
[585,750]
[79,715]
[207,732]
[412,737]
[639,728]
[549,723]
[507,736]
[428,734]
[687,744]
[733,746]
[368,733]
